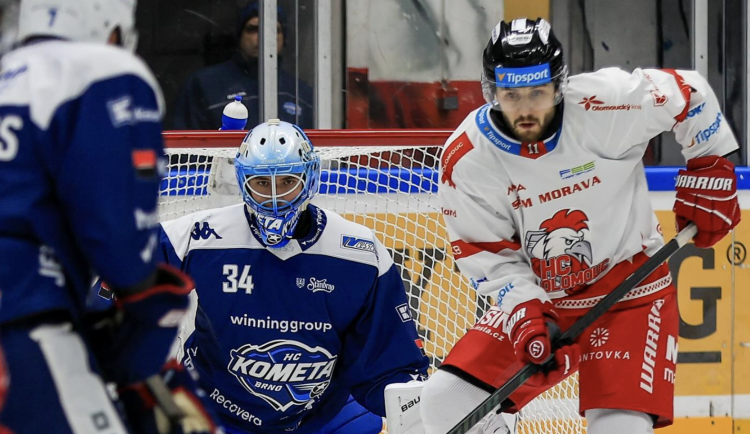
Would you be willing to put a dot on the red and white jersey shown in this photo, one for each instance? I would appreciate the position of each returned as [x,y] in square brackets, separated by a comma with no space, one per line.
[546,219]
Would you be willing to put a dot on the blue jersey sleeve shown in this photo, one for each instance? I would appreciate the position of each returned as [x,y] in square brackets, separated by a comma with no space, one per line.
[382,346]
[106,152]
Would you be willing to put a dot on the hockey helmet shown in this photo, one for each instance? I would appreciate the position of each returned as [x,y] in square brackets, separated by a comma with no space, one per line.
[523,53]
[278,172]
[79,20]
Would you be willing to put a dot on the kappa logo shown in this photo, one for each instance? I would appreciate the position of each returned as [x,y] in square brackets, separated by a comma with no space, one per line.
[203,232]
[284,373]
[599,337]
[560,254]
[356,243]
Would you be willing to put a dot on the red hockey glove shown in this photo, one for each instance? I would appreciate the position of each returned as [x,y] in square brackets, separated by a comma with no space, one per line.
[707,196]
[528,331]
[563,364]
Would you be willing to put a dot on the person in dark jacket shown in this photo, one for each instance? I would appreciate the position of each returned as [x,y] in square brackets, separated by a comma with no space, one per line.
[208,90]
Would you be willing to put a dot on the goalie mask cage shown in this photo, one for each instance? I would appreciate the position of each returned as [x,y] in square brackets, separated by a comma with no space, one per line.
[387,181]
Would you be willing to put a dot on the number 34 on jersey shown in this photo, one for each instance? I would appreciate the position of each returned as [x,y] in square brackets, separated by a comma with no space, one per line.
[232,284]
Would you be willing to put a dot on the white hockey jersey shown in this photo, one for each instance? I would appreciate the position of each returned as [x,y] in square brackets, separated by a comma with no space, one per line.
[545,220]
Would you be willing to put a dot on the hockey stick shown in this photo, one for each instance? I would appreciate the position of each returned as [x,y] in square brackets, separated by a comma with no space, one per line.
[500,395]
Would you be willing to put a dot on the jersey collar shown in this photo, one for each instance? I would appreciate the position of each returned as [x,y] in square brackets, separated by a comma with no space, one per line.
[507,144]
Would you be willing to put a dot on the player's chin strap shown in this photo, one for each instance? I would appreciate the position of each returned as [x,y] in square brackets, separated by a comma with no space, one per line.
[501,395]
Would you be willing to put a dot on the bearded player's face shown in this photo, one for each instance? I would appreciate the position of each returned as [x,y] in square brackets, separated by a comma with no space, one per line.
[528,110]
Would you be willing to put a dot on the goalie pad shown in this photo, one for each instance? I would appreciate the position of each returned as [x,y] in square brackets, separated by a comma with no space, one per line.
[402,408]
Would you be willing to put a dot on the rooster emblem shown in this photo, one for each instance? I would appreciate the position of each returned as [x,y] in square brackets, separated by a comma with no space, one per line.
[560,249]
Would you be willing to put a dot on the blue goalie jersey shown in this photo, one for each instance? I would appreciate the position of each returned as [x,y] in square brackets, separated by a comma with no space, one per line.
[281,337]
[80,142]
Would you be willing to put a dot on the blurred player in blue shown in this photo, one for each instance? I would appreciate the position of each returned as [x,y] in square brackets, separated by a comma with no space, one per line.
[80,151]
[301,318]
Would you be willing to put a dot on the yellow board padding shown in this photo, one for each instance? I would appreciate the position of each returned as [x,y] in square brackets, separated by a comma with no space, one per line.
[694,425]
[526,9]
[741,426]
[699,425]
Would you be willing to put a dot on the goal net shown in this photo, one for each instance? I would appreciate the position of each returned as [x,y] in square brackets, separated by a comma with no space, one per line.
[387,181]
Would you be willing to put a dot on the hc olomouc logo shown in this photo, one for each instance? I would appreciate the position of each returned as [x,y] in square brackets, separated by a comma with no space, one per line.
[283,373]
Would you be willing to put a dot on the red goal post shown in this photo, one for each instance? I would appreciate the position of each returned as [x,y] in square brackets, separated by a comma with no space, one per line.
[386,180]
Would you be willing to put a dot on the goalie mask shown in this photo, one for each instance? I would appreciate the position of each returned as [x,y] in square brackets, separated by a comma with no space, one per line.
[520,59]
[278,172]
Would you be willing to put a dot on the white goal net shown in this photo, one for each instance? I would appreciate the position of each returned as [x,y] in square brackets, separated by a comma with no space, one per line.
[388,182]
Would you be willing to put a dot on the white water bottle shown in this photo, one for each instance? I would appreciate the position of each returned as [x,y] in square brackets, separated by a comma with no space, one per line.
[234,116]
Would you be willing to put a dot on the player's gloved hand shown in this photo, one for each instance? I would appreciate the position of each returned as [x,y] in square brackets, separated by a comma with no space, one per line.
[528,331]
[707,196]
[168,403]
[564,363]
[532,327]
[131,341]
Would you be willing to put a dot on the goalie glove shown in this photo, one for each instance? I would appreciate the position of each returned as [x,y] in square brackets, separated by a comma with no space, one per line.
[707,196]
[168,403]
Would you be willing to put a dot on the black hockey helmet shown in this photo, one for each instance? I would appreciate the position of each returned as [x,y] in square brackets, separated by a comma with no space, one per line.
[523,53]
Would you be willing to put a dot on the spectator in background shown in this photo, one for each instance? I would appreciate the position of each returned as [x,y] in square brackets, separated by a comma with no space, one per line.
[207,91]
